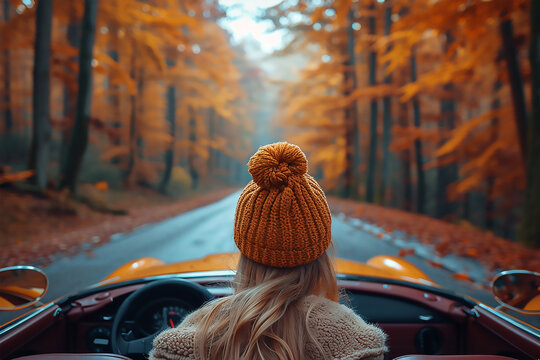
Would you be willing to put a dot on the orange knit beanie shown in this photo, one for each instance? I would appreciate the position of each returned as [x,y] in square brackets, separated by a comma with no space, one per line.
[282,217]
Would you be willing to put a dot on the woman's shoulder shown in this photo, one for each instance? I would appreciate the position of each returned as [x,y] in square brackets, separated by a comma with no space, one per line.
[341,332]
[321,308]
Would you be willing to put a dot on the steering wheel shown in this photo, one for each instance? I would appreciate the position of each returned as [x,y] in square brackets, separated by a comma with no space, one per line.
[192,293]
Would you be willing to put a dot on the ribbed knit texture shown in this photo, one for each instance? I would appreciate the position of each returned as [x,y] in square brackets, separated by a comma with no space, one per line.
[282,217]
[340,332]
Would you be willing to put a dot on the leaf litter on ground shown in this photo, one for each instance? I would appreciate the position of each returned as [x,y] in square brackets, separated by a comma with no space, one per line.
[493,252]
[34,231]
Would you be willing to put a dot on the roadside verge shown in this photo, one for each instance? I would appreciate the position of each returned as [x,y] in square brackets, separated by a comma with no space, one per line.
[71,235]
[471,254]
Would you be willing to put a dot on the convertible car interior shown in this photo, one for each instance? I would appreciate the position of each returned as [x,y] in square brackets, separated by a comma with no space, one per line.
[119,321]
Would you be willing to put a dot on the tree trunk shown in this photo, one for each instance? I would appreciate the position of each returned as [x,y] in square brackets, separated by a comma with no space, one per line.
[466,205]
[490,201]
[192,153]
[221,157]
[212,159]
[449,173]
[530,226]
[372,160]
[73,37]
[352,139]
[406,187]
[132,141]
[79,137]
[387,122]
[516,84]
[419,158]
[116,98]
[41,137]
[169,154]
[8,118]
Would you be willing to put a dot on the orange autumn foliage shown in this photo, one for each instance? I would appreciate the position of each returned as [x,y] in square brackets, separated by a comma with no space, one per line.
[434,263]
[102,186]
[457,46]
[405,252]
[462,277]
[142,48]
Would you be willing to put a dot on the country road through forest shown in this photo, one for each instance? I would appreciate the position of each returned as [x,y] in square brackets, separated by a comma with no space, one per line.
[209,230]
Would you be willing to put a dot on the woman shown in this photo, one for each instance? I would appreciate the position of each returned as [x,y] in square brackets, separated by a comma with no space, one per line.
[285,301]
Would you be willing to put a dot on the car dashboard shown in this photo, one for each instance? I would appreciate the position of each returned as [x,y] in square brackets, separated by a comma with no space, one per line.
[417,319]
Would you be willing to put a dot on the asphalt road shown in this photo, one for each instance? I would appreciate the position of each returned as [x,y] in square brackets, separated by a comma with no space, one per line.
[209,230]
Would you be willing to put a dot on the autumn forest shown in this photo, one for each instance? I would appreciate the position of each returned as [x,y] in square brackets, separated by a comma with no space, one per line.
[426,106]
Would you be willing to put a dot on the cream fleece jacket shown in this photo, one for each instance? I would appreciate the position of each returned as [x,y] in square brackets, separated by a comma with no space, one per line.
[341,333]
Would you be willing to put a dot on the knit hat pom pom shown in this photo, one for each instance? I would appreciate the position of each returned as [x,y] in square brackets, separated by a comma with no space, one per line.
[272,165]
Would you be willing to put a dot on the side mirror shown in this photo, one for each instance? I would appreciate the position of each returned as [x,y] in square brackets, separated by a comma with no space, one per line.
[21,287]
[518,290]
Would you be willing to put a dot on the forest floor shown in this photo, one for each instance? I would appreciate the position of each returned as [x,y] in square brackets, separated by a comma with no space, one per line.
[493,252]
[35,230]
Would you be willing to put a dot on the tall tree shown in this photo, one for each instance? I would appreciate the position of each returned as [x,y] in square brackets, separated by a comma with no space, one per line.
[352,138]
[69,93]
[132,124]
[490,182]
[41,136]
[530,226]
[192,152]
[419,158]
[387,121]
[406,179]
[79,138]
[373,116]
[516,82]
[446,173]
[7,77]
[212,153]
[169,153]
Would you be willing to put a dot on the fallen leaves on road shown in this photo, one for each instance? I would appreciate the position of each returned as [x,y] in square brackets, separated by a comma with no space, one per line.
[494,252]
[405,252]
[461,276]
[434,263]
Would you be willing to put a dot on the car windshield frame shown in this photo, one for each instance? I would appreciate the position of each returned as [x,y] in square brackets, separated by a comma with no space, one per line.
[222,277]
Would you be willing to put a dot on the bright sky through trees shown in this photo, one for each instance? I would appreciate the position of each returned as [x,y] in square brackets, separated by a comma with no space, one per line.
[241,21]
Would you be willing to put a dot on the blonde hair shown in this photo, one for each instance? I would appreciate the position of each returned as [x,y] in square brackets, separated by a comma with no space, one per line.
[264,318]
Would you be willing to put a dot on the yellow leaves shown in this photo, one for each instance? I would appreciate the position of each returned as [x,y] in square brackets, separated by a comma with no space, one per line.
[142,48]
[403,137]
[14,177]
[373,92]
[118,75]
[115,151]
[464,185]
[452,42]
[462,277]
[483,159]
[317,14]
[396,48]
[131,12]
[460,134]
[145,172]
[102,186]
[157,138]
[147,46]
